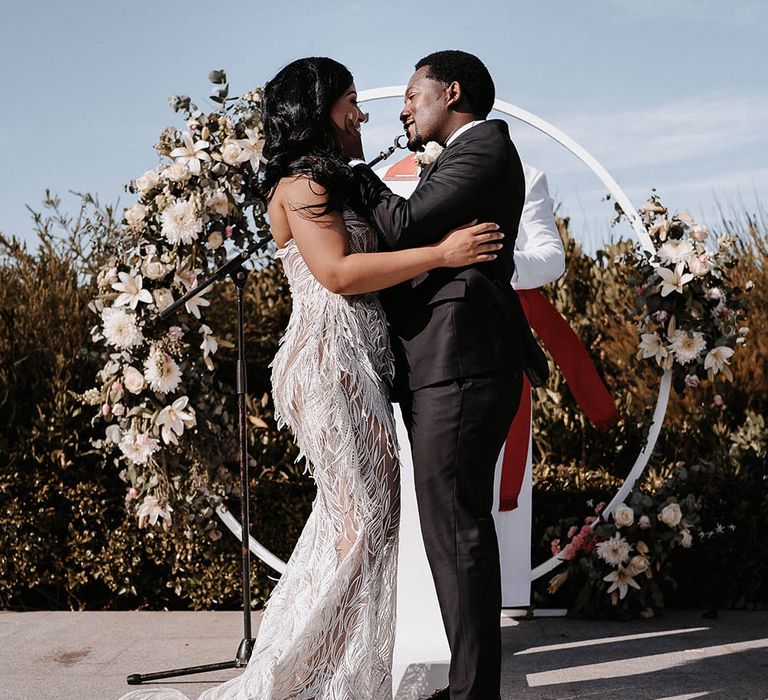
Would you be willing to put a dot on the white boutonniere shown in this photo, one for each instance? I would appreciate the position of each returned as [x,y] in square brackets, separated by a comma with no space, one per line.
[429,155]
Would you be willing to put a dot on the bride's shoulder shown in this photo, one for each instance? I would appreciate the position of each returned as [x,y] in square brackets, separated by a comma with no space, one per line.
[299,189]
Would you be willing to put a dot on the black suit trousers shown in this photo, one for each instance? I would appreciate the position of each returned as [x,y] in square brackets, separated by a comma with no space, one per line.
[457,429]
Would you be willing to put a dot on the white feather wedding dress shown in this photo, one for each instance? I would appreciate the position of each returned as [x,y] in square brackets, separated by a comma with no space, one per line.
[327,632]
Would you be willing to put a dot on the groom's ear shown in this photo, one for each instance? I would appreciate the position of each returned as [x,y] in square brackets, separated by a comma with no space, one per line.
[453,94]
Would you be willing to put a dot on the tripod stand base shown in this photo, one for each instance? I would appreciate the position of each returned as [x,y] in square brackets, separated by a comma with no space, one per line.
[240,661]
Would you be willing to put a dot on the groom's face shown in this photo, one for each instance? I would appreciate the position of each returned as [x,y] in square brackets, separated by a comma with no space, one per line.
[425,111]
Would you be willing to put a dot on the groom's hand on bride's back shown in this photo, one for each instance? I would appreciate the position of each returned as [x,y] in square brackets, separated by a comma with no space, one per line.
[470,244]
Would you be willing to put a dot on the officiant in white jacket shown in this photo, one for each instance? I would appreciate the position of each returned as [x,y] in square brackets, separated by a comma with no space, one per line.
[421,649]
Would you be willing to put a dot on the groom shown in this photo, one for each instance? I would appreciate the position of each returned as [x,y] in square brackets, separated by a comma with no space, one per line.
[459,341]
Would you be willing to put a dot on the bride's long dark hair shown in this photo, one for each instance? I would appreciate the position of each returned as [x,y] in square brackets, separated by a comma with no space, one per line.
[297,127]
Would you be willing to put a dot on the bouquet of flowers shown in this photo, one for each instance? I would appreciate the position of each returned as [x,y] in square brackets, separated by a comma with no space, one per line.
[619,565]
[689,314]
[157,387]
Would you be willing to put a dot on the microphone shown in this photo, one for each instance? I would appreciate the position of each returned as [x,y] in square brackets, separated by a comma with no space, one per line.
[383,155]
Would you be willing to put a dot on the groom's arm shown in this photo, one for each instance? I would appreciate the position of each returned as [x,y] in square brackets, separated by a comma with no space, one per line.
[445,200]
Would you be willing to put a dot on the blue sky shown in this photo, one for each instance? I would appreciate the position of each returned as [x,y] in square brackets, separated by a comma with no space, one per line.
[668,94]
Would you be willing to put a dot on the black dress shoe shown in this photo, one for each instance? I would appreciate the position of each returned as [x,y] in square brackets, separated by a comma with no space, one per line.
[437,695]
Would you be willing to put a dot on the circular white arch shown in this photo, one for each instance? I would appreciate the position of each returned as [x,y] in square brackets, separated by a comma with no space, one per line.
[645,240]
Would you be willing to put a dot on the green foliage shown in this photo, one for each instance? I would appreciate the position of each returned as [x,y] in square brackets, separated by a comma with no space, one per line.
[69,540]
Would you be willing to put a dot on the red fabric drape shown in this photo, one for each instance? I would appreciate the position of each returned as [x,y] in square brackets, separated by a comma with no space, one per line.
[585,384]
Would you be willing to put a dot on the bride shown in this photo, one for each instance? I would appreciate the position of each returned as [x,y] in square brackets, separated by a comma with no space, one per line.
[327,631]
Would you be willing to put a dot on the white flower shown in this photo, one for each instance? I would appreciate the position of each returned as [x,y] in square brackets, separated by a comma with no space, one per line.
[651,345]
[623,516]
[671,515]
[717,360]
[219,202]
[132,292]
[191,153]
[215,240]
[430,153]
[133,380]
[621,578]
[118,410]
[252,149]
[120,328]
[698,232]
[173,419]
[153,268]
[138,447]
[644,523]
[613,551]
[135,214]
[161,372]
[687,345]
[230,154]
[149,180]
[194,304]
[676,251]
[113,434]
[163,298]
[150,509]
[637,565]
[181,223]
[177,172]
[210,344]
[699,264]
[673,280]
[686,540]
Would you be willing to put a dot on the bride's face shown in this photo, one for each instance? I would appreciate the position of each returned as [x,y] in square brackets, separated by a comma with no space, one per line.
[346,116]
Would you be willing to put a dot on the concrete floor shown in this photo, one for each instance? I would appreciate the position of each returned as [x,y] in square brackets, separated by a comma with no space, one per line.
[680,656]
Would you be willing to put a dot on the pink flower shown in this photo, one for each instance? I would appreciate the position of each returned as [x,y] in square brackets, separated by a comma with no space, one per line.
[590,519]
[599,507]
[228,232]
[568,553]
[555,546]
[717,400]
[586,529]
[572,531]
[578,542]
[176,331]
[661,315]
[105,409]
[132,493]
[691,380]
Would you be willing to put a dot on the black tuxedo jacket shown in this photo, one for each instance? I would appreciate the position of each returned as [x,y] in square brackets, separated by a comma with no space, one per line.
[457,322]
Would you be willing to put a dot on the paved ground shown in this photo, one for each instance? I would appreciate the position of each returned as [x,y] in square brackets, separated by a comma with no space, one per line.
[681,656]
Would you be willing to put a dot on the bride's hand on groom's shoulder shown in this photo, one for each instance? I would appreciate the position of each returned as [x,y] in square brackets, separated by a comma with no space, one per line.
[470,244]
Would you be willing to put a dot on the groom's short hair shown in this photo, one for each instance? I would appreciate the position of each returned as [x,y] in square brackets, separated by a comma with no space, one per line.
[468,71]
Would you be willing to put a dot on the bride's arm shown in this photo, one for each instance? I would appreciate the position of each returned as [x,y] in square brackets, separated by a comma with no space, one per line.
[324,245]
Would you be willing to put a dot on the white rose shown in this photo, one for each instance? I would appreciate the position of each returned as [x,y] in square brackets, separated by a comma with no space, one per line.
[215,240]
[623,516]
[671,515]
[638,564]
[177,172]
[698,232]
[644,523]
[154,269]
[163,298]
[147,181]
[133,381]
[686,539]
[431,151]
[699,265]
[135,215]
[230,153]
[219,202]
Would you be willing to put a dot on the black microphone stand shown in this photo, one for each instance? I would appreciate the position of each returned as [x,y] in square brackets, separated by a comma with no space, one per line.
[234,269]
